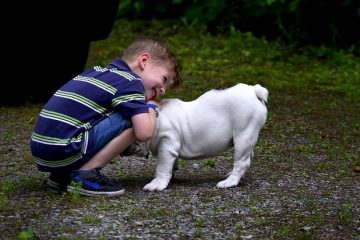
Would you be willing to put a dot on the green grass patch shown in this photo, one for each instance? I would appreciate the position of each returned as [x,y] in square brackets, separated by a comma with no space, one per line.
[222,60]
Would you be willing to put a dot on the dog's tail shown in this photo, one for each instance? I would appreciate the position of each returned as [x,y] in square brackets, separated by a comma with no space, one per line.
[261,93]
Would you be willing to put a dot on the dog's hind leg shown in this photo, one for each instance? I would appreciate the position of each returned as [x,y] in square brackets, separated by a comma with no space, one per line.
[236,174]
[251,158]
[242,159]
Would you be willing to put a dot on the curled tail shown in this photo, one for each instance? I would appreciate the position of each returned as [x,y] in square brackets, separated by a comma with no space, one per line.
[261,93]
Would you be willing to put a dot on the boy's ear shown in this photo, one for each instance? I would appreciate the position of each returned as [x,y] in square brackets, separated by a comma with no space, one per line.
[144,60]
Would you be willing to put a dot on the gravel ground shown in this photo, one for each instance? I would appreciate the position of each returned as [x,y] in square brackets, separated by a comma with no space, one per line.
[301,185]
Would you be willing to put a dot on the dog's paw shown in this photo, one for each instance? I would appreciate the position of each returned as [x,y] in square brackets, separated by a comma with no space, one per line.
[231,181]
[156,185]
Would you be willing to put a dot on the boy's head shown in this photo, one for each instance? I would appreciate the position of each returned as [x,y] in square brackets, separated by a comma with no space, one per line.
[155,64]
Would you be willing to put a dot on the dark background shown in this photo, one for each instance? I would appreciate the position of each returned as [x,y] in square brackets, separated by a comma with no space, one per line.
[47,43]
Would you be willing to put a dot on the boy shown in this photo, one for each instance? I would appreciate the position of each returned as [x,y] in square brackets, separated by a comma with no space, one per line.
[94,117]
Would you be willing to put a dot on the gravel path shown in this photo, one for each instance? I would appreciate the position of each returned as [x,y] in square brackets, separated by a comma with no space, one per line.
[301,185]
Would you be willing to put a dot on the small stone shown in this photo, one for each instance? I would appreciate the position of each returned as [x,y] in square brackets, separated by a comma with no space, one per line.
[356,169]
[305,229]
[196,166]
[246,237]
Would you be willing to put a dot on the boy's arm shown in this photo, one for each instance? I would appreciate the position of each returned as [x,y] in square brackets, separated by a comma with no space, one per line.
[144,124]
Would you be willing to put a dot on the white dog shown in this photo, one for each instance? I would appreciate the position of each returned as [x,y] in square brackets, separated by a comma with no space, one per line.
[214,122]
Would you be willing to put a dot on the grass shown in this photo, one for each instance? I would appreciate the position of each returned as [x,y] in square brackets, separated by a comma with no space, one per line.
[92,220]
[301,184]
[212,61]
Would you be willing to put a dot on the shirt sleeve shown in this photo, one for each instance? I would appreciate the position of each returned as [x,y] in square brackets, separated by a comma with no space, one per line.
[130,99]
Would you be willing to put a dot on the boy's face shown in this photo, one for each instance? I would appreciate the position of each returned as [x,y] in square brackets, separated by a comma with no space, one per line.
[156,79]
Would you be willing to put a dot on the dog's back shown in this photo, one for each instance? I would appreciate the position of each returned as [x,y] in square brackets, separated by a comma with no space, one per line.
[206,125]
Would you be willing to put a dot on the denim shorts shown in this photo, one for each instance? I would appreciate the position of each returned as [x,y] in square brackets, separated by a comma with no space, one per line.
[103,132]
[106,130]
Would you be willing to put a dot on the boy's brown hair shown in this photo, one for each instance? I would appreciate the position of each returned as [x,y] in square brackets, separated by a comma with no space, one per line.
[160,54]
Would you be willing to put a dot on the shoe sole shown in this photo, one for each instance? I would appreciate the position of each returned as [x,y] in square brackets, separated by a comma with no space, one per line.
[94,193]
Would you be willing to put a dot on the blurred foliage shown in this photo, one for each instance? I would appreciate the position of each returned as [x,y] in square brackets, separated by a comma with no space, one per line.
[220,60]
[333,23]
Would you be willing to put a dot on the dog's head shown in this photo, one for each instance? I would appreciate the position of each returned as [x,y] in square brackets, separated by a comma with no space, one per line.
[138,148]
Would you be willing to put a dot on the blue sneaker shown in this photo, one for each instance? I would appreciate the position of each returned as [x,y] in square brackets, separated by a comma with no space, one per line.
[93,184]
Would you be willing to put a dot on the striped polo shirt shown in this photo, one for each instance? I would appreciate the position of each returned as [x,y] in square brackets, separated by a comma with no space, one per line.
[61,135]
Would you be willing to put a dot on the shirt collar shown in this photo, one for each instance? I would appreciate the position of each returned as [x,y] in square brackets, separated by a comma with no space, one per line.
[121,65]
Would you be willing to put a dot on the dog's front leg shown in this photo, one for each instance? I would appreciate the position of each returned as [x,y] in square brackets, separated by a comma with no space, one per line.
[166,160]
